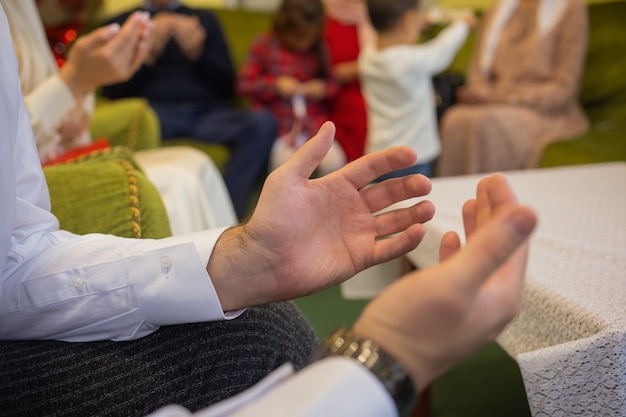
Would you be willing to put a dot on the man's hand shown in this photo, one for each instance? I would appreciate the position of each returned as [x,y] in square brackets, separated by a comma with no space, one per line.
[190,36]
[107,55]
[162,32]
[431,319]
[309,234]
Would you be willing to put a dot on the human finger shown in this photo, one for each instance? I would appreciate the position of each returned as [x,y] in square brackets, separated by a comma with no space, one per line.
[398,245]
[397,220]
[130,34]
[469,217]
[499,191]
[483,205]
[450,243]
[493,193]
[366,169]
[97,37]
[143,48]
[492,245]
[307,158]
[383,194]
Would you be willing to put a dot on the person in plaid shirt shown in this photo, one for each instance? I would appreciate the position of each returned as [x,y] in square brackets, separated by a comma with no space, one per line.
[288,72]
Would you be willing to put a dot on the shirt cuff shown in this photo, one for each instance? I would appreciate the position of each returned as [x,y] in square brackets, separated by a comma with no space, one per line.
[180,263]
[50,101]
[332,386]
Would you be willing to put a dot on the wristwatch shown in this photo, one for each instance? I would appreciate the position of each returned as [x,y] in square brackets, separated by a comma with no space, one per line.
[343,342]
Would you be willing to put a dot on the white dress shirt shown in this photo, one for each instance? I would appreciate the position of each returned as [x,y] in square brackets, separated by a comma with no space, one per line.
[398,90]
[77,288]
[56,285]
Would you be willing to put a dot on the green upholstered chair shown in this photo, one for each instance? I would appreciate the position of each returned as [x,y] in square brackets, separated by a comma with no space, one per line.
[106,194]
[126,122]
[105,191]
[603,93]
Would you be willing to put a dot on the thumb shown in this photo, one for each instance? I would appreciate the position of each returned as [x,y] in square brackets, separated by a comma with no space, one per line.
[307,158]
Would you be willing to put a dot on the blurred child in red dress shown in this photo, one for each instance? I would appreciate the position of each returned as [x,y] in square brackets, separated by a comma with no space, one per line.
[347,29]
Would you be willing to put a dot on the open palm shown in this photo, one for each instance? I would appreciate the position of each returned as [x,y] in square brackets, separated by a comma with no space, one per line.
[318,232]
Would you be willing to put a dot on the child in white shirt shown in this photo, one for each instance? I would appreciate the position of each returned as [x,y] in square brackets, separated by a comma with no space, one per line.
[396,75]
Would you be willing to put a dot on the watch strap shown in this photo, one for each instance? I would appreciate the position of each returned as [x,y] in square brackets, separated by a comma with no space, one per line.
[343,342]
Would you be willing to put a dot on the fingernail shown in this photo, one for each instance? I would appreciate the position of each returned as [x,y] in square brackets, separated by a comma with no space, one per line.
[325,127]
[523,224]
[114,28]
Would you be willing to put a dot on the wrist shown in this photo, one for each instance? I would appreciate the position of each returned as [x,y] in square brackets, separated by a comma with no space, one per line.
[368,353]
[70,75]
[404,350]
[237,270]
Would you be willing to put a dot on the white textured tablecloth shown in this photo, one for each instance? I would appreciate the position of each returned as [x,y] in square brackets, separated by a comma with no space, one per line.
[570,338]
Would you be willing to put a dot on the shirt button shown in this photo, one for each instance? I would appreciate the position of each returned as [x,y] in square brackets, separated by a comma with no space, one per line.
[166,262]
[78,282]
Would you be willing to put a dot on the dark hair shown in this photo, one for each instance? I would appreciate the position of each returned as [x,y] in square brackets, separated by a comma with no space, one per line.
[299,17]
[385,14]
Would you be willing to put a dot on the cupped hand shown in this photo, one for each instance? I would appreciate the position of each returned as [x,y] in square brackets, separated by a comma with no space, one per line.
[431,319]
[308,234]
[107,55]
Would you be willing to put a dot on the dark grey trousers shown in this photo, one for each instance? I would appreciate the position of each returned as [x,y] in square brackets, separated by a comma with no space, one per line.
[194,365]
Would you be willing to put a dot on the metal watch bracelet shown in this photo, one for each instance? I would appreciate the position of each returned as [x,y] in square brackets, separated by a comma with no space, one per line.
[343,342]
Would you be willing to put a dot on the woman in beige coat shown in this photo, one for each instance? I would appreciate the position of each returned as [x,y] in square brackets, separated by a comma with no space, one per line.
[522,88]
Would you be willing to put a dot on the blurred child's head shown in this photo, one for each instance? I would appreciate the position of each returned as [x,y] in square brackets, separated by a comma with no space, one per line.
[299,24]
[389,16]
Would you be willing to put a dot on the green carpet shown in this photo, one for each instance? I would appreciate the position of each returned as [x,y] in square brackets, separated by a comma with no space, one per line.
[488,384]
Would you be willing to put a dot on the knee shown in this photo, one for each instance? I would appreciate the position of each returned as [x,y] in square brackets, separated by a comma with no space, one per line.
[283,329]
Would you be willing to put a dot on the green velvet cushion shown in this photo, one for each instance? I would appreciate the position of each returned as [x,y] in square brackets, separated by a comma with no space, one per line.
[127,122]
[106,196]
[107,154]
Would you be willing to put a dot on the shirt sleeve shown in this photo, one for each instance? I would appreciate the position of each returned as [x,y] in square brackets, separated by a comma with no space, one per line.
[436,55]
[47,105]
[99,287]
[330,387]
